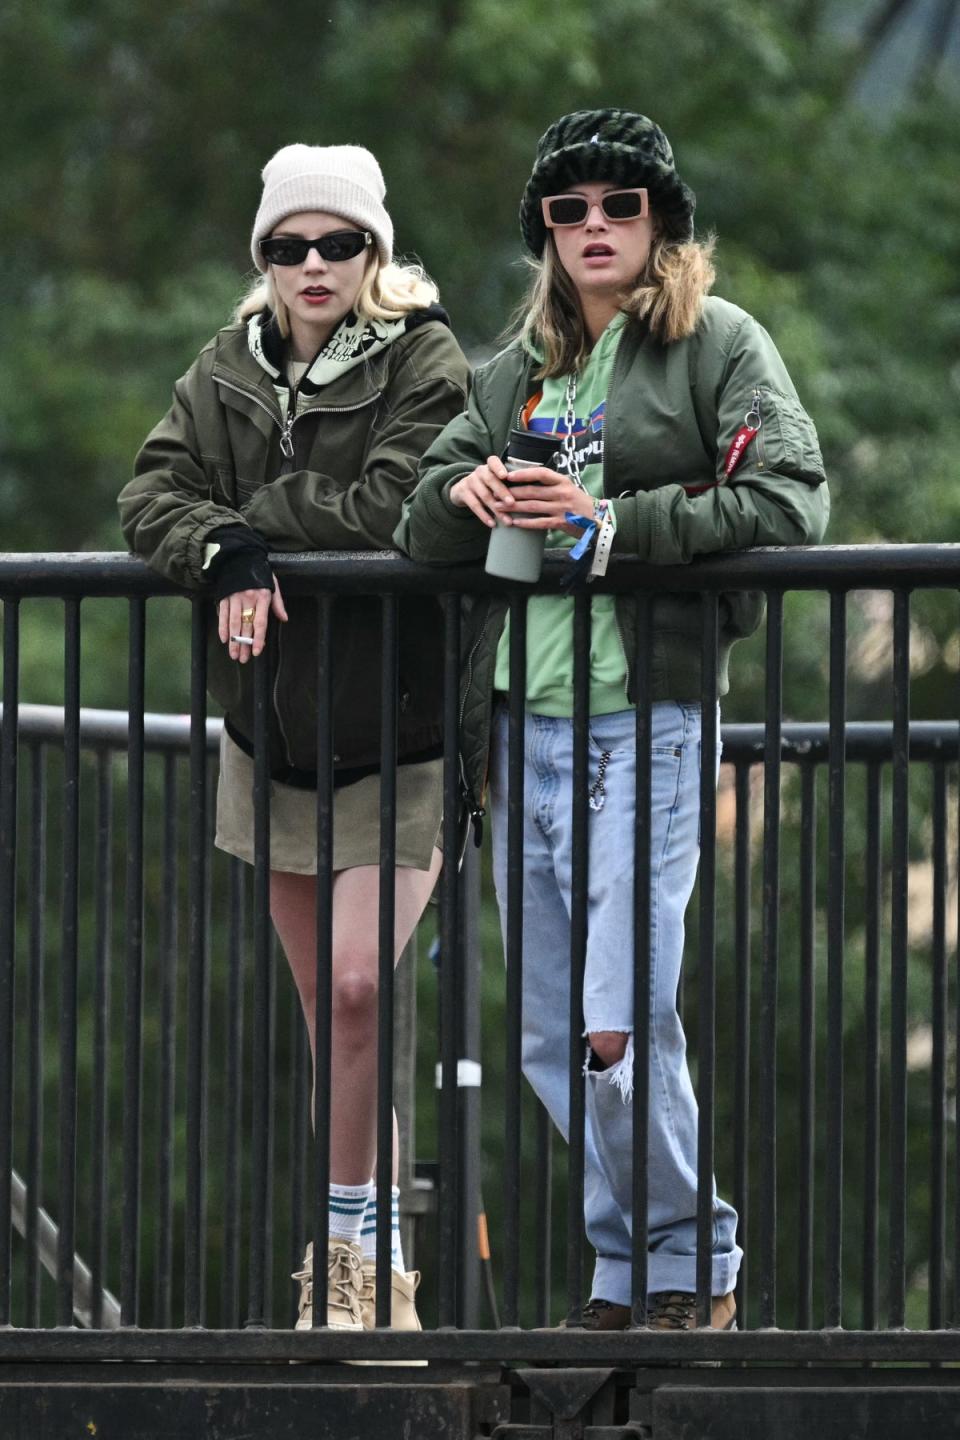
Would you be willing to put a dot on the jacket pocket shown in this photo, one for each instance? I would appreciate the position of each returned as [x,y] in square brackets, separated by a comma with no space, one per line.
[787,440]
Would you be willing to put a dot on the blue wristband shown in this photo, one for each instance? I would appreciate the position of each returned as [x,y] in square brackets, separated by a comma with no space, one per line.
[589,528]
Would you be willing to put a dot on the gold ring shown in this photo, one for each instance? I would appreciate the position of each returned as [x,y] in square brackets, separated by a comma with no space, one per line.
[247,614]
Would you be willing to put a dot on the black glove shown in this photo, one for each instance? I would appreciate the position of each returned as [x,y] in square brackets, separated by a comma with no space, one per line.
[241,562]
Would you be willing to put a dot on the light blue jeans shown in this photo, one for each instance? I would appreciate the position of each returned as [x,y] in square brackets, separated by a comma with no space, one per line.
[608,982]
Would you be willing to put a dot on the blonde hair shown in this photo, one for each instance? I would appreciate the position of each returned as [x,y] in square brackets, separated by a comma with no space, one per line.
[387,292]
[668,295]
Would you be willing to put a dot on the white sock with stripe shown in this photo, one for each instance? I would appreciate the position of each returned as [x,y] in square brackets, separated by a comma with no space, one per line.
[368,1233]
[347,1206]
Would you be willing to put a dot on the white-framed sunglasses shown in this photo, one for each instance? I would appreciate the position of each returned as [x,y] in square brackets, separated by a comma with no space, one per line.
[560,210]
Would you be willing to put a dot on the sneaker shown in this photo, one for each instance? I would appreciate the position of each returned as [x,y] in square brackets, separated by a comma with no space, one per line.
[601,1315]
[403,1287]
[677,1310]
[343,1287]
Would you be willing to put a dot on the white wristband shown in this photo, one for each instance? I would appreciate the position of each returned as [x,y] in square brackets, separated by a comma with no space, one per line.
[601,551]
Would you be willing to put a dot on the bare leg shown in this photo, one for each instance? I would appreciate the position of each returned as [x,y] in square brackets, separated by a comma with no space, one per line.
[353,1099]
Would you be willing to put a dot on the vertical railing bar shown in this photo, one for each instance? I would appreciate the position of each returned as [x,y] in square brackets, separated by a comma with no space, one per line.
[741,1074]
[578,952]
[386,947]
[261,1009]
[133,977]
[169,913]
[323,1005]
[233,1117]
[938,1069]
[449,1208]
[873,891]
[543,1180]
[38,905]
[8,931]
[707,956]
[898,959]
[69,957]
[513,1093]
[269,1145]
[195,1166]
[808,1041]
[769,981]
[100,1118]
[836,860]
[641,958]
[955,1288]
[299,1142]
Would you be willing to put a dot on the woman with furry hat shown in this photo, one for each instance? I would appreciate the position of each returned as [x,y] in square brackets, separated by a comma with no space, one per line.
[678,433]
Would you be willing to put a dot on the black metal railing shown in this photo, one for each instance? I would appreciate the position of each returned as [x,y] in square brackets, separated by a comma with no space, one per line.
[215,1141]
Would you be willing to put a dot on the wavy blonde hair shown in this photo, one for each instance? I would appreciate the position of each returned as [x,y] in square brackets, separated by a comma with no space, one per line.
[387,292]
[668,295]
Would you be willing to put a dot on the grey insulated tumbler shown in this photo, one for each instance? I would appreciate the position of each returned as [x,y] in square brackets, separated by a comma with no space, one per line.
[512,553]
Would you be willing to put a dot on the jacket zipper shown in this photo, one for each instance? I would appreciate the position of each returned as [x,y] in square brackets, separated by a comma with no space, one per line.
[603,491]
[755,409]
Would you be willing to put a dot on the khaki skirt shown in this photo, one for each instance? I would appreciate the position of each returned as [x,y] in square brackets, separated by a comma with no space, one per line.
[356,817]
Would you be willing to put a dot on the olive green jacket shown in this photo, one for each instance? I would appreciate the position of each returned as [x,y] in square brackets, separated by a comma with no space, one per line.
[671,415]
[216,459]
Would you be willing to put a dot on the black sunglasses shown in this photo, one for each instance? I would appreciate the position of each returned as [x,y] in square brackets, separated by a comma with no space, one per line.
[293,249]
[559,210]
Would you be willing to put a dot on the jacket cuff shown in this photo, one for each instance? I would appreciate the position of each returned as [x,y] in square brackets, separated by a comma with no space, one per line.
[196,542]
[633,517]
[452,509]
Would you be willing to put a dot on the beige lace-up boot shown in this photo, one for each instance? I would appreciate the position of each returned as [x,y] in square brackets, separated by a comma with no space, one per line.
[343,1287]
[403,1288]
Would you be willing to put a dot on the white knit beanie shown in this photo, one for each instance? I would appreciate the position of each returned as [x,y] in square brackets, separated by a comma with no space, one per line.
[338,179]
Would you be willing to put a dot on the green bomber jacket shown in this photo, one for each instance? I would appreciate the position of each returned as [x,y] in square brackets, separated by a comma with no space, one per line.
[672,413]
[216,459]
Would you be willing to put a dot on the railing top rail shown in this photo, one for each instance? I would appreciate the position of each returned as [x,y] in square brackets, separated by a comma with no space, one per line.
[815,567]
[742,744]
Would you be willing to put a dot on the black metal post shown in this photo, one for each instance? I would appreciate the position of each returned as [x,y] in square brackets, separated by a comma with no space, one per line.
[871,1049]
[167,957]
[262,997]
[938,1069]
[195,1166]
[808,1041]
[899,960]
[641,958]
[387,947]
[836,891]
[449,1206]
[741,1072]
[133,976]
[35,999]
[513,1084]
[770,962]
[578,953]
[706,976]
[69,960]
[323,1005]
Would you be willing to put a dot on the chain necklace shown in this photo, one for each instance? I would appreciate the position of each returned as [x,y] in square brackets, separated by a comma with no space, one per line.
[568,443]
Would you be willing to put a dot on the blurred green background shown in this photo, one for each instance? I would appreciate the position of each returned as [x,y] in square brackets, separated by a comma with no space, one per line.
[821,138]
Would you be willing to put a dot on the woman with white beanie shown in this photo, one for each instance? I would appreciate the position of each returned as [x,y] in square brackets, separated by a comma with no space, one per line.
[300,427]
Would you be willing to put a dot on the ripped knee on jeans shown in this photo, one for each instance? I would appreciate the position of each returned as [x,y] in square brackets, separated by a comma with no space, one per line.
[606,1048]
[619,1072]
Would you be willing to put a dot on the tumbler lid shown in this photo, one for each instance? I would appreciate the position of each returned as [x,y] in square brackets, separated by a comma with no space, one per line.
[529,445]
